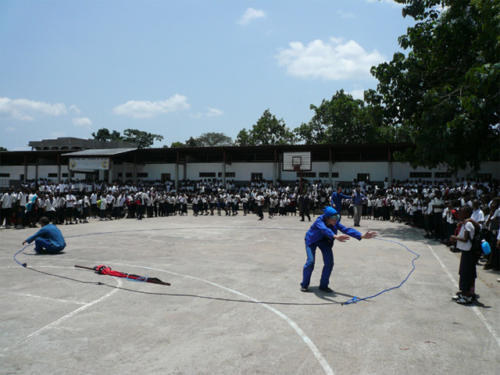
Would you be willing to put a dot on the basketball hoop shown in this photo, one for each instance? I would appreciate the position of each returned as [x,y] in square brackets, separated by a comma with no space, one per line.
[296,168]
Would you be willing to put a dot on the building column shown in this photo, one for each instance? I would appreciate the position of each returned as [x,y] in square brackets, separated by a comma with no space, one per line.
[134,172]
[58,169]
[25,169]
[389,165]
[224,168]
[177,171]
[275,167]
[36,172]
[110,172]
[330,165]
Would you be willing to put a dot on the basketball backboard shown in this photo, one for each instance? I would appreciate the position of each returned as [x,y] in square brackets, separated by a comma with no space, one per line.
[297,161]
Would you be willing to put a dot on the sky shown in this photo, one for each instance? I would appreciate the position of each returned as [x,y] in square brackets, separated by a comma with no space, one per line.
[182,68]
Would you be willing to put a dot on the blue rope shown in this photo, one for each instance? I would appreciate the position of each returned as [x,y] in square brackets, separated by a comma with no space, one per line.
[357,299]
[19,252]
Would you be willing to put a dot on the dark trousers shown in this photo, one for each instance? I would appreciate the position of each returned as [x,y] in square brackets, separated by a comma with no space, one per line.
[467,271]
[45,246]
[326,251]
[5,214]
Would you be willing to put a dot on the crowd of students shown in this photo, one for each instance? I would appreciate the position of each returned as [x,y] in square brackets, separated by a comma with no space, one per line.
[430,206]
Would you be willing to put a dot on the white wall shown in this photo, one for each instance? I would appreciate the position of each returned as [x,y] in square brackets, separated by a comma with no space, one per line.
[15,171]
[347,170]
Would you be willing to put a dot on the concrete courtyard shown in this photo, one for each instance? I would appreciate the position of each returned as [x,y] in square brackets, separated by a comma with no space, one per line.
[234,306]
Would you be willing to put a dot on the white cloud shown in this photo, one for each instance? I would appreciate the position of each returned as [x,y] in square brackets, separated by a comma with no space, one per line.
[214,112]
[330,60]
[392,2]
[83,122]
[211,112]
[358,94]
[74,109]
[147,109]
[25,109]
[250,15]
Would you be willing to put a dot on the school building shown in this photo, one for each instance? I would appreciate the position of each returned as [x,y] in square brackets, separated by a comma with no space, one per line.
[328,163]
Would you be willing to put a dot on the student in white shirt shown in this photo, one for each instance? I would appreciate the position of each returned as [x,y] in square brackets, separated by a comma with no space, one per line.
[468,259]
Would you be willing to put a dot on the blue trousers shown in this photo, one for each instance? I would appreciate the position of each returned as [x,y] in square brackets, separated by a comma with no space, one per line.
[326,251]
[45,246]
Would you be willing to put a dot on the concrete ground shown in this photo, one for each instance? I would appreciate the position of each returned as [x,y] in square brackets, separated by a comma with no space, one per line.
[235,307]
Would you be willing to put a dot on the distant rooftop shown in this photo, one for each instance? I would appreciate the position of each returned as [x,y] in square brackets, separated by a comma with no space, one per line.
[101,152]
[75,144]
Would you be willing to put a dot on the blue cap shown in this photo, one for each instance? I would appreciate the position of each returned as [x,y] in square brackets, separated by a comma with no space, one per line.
[330,211]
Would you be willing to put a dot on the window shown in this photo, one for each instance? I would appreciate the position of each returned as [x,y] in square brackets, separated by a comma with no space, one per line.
[207,174]
[256,176]
[442,174]
[52,174]
[420,174]
[4,175]
[65,175]
[165,177]
[306,174]
[120,174]
[228,174]
[363,177]
[325,174]
[142,174]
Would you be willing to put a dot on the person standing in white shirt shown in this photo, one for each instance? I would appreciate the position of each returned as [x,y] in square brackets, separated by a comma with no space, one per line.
[6,208]
[468,259]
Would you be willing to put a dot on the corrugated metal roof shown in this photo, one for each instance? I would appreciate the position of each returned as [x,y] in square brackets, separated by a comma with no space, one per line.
[101,152]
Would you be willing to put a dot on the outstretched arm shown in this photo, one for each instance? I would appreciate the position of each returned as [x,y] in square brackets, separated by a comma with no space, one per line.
[369,235]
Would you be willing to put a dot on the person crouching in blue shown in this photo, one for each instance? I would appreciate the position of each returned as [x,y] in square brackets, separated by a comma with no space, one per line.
[48,240]
[322,234]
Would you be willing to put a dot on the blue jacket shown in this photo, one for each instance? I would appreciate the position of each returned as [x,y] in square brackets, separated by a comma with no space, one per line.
[51,233]
[357,198]
[320,231]
[337,200]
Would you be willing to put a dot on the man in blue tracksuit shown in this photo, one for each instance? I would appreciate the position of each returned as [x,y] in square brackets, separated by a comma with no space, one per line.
[337,197]
[322,234]
[48,240]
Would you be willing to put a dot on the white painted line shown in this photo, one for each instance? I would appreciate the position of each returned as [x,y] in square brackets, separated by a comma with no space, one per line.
[69,315]
[476,310]
[47,298]
[314,349]
[74,312]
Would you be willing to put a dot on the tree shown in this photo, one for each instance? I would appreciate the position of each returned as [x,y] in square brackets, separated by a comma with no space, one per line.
[267,131]
[141,138]
[176,144]
[192,142]
[213,139]
[444,91]
[3,149]
[243,138]
[342,119]
[104,135]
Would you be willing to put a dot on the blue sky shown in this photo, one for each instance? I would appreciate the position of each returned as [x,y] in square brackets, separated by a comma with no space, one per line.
[182,68]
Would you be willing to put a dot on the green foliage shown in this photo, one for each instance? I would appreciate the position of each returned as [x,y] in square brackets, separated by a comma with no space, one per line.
[104,135]
[176,144]
[267,131]
[141,138]
[243,138]
[345,120]
[3,149]
[444,94]
[214,139]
